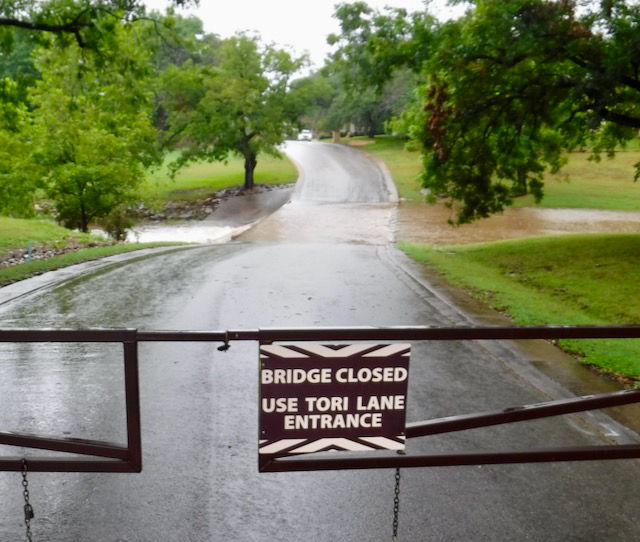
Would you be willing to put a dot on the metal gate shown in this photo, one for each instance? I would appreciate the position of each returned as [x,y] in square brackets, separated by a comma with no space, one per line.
[108,457]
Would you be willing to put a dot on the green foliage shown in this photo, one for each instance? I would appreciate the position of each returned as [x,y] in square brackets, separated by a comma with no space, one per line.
[515,83]
[16,62]
[370,84]
[18,179]
[241,105]
[90,24]
[576,279]
[92,134]
[506,89]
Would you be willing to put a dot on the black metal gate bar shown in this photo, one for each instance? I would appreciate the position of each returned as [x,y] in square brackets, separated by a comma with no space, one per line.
[72,446]
[586,453]
[522,413]
[66,464]
[116,458]
[99,335]
[109,457]
[397,333]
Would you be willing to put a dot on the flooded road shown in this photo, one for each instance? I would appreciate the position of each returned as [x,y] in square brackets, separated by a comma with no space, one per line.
[425,223]
[199,405]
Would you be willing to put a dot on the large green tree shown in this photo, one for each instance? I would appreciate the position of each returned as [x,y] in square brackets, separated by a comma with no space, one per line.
[369,65]
[91,129]
[241,105]
[509,87]
[514,84]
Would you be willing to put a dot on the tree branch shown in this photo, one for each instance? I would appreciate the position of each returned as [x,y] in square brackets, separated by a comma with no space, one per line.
[71,27]
[619,118]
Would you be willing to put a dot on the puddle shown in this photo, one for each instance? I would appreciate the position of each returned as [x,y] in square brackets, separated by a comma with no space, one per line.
[424,223]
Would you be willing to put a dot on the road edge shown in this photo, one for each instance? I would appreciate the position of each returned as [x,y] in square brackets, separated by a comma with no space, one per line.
[23,288]
[541,364]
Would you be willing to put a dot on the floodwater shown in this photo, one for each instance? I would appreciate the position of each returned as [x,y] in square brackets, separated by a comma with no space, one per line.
[425,223]
[383,223]
[185,232]
[310,222]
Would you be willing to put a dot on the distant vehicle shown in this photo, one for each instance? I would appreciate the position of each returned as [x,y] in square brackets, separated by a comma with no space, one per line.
[305,135]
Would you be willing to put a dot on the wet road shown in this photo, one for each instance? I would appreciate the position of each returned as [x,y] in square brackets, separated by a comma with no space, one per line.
[199,410]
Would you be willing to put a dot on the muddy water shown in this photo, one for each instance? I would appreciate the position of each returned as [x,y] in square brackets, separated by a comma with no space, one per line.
[383,223]
[424,223]
[310,222]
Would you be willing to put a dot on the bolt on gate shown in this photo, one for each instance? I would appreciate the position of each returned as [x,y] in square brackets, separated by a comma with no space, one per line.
[94,456]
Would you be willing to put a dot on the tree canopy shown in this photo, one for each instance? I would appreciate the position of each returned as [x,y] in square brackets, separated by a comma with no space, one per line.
[91,130]
[242,104]
[507,88]
[87,22]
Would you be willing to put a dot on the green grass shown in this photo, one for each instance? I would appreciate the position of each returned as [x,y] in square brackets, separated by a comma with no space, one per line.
[17,232]
[582,183]
[201,179]
[569,280]
[585,184]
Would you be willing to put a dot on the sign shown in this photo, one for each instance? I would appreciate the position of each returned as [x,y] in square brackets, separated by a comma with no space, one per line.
[317,398]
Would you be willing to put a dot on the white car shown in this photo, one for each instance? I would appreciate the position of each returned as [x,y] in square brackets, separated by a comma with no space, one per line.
[305,135]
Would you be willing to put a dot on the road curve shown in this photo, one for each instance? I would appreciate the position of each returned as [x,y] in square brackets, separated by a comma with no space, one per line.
[331,173]
[342,196]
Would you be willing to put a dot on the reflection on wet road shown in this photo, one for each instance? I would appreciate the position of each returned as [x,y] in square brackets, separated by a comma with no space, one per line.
[342,196]
[199,406]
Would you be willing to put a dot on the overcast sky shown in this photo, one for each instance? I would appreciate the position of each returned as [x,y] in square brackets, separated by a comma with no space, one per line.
[301,24]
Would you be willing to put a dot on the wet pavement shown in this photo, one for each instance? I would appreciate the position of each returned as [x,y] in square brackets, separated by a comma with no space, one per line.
[199,409]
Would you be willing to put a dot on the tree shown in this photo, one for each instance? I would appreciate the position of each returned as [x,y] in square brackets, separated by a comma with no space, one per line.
[509,87]
[91,131]
[16,62]
[372,64]
[18,178]
[515,84]
[89,23]
[242,105]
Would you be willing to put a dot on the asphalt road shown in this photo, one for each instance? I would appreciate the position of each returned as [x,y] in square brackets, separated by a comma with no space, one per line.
[199,409]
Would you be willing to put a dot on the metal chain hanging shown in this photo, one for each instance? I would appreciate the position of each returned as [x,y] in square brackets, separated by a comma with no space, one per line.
[28,509]
[396,507]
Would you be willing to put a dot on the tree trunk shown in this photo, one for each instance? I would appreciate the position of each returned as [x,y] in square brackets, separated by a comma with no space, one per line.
[250,163]
[84,219]
[335,136]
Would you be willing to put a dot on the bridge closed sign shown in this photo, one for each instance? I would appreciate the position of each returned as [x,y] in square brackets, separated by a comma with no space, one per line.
[316,398]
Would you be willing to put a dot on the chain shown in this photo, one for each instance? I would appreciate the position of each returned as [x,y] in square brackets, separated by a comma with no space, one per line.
[396,506]
[28,509]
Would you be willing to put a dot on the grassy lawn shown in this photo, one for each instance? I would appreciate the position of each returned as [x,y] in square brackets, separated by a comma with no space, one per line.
[17,232]
[585,184]
[200,180]
[577,279]
[582,183]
